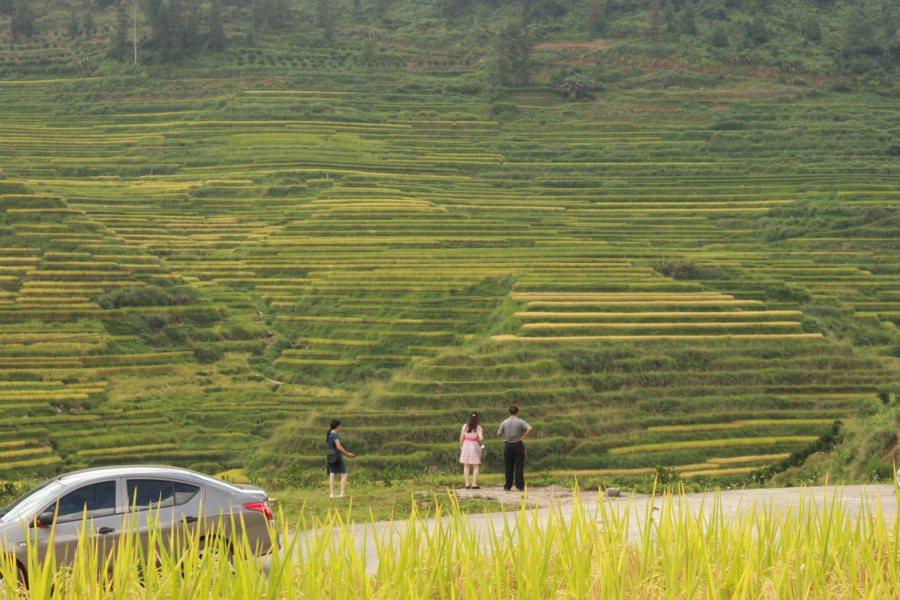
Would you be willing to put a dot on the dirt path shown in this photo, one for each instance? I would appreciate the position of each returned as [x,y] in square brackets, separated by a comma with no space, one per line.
[635,508]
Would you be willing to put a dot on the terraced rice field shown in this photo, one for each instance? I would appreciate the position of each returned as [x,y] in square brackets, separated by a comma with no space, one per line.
[180,280]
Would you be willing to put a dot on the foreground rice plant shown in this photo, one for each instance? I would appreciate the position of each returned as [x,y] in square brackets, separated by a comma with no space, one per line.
[808,551]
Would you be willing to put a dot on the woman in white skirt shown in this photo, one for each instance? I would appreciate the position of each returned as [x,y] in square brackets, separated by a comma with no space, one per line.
[470,440]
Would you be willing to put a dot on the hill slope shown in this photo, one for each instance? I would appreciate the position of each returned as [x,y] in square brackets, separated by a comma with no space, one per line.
[699,279]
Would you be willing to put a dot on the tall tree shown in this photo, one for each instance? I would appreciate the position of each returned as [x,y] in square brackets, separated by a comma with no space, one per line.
[216,32]
[719,37]
[513,55]
[258,12]
[119,47]
[688,24]
[325,18]
[73,24]
[87,23]
[654,23]
[190,28]
[21,23]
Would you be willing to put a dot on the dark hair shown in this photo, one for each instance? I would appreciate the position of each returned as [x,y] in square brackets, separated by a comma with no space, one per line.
[472,423]
[335,423]
[513,410]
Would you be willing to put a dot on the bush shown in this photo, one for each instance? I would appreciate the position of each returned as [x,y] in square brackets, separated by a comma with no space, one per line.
[149,295]
[205,353]
[504,107]
[208,468]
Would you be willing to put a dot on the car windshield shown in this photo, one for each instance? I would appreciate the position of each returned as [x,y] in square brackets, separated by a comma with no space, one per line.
[27,503]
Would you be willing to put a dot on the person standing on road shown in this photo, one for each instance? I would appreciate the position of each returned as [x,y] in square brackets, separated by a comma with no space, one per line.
[514,431]
[470,439]
[334,442]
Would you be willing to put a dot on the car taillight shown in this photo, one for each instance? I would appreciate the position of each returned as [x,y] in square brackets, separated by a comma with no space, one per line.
[262,507]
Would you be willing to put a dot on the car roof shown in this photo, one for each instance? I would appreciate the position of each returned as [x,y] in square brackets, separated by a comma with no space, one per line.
[75,477]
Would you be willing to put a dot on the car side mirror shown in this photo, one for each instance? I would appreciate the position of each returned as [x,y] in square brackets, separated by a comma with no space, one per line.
[45,519]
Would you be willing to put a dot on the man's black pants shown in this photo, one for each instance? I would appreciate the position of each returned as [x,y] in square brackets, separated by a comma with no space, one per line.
[514,459]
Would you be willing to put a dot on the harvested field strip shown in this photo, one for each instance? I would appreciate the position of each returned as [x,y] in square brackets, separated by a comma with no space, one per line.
[330,342]
[31,464]
[322,362]
[23,453]
[549,304]
[698,444]
[589,338]
[740,425]
[660,315]
[126,450]
[740,460]
[690,325]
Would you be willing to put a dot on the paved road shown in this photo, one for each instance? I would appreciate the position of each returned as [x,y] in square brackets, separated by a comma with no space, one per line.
[854,498]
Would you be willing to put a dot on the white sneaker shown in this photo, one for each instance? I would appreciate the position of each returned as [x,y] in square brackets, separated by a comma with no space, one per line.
[341,496]
[332,496]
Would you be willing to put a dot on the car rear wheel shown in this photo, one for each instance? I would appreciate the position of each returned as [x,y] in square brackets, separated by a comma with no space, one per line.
[217,548]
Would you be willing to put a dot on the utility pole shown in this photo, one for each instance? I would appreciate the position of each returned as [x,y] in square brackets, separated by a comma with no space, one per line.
[134,12]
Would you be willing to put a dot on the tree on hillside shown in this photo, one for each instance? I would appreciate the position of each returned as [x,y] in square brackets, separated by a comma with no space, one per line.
[578,87]
[73,23]
[87,23]
[21,22]
[688,25]
[757,31]
[813,30]
[119,47]
[6,7]
[273,14]
[597,16]
[216,32]
[513,55]
[654,22]
[859,35]
[325,18]
[174,25]
[719,37]
[191,26]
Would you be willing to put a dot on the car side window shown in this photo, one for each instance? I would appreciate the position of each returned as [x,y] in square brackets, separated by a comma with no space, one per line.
[158,493]
[98,499]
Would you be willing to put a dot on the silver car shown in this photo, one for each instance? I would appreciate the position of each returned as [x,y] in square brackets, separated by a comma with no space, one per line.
[117,499]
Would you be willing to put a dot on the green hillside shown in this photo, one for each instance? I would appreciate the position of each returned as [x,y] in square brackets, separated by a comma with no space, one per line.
[202,265]
[845,45]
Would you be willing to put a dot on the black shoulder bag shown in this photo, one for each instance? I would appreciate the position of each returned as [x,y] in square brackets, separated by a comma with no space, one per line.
[332,455]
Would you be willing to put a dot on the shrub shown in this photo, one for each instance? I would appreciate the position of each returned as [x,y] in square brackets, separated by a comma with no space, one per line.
[149,295]
[504,107]
[208,468]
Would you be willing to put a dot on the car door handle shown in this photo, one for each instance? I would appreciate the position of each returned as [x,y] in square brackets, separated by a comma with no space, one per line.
[190,519]
[105,530]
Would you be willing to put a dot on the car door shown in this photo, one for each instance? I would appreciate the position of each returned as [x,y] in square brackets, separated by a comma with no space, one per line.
[167,506]
[97,506]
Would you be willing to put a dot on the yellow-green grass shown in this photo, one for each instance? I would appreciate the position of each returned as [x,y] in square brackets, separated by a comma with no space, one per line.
[741,460]
[647,338]
[720,472]
[698,444]
[687,325]
[45,461]
[585,553]
[312,361]
[98,452]
[331,342]
[658,315]
[740,425]
[573,303]
[23,453]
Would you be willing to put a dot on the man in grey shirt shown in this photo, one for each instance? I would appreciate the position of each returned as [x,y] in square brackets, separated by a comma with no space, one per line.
[514,431]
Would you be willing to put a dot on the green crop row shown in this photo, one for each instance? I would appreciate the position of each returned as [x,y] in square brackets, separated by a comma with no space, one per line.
[126,450]
[699,444]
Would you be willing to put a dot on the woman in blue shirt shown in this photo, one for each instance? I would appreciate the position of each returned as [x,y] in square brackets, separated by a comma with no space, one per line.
[334,441]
